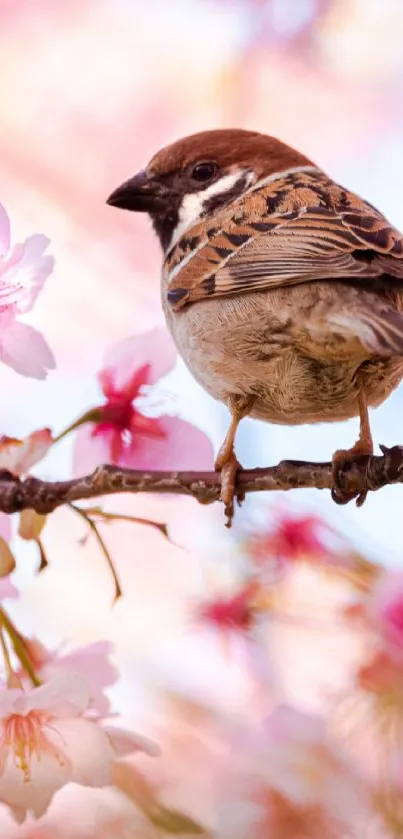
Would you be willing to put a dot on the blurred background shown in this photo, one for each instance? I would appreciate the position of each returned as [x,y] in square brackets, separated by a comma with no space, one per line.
[89,91]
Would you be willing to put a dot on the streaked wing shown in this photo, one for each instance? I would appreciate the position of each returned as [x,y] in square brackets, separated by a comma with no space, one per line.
[313,231]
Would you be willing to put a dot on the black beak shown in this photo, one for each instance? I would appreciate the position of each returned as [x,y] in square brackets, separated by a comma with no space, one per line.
[138,194]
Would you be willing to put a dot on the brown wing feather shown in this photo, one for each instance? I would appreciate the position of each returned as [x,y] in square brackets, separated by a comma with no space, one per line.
[295,230]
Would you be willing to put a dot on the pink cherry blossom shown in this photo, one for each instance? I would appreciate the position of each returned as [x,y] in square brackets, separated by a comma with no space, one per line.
[122,433]
[291,539]
[46,741]
[23,272]
[91,662]
[304,766]
[384,610]
[18,456]
[291,781]
[237,618]
[268,815]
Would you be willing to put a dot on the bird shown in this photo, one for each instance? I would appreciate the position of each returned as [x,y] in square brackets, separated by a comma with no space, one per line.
[282,289]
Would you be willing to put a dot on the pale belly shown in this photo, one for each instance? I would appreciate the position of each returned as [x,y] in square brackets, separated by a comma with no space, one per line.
[240,347]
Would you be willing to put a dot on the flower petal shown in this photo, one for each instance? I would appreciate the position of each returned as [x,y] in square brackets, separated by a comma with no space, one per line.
[34,448]
[88,747]
[8,589]
[29,269]
[301,764]
[147,426]
[179,445]
[24,349]
[91,450]
[8,698]
[384,609]
[66,695]
[93,664]
[18,456]
[106,382]
[183,447]
[19,814]
[287,725]
[4,231]
[126,742]
[154,349]
[48,772]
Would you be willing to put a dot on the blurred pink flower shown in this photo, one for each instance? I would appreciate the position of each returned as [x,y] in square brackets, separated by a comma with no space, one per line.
[291,783]
[46,741]
[232,613]
[18,456]
[90,662]
[237,619]
[384,609]
[293,539]
[23,272]
[303,765]
[121,433]
[271,816]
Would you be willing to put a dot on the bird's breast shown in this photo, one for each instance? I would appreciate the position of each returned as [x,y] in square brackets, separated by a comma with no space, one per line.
[248,345]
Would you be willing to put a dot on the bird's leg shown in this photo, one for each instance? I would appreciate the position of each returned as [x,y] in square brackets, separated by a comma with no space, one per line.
[226,461]
[363,446]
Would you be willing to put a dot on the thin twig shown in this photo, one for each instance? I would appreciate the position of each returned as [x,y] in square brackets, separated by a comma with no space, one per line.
[20,647]
[42,554]
[107,516]
[94,527]
[6,654]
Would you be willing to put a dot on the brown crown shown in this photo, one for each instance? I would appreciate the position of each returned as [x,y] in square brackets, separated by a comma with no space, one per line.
[230,146]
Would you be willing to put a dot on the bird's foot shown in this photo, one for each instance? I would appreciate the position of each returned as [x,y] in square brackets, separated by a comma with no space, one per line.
[228,468]
[341,460]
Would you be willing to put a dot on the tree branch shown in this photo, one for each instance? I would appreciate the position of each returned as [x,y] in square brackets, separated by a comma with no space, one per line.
[366,473]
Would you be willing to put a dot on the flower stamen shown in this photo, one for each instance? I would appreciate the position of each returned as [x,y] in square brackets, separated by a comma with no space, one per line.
[25,738]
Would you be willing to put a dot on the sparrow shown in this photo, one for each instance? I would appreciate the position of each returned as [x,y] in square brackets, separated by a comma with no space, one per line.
[282,289]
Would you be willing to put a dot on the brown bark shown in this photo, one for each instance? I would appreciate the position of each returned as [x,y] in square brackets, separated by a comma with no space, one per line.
[366,473]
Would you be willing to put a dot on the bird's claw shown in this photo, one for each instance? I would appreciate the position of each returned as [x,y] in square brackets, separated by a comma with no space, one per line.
[228,493]
[341,496]
[341,460]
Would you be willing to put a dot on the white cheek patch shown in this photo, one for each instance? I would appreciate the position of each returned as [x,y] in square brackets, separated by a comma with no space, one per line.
[193,205]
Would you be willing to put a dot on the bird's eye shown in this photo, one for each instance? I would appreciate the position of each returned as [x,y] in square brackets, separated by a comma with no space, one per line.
[203,172]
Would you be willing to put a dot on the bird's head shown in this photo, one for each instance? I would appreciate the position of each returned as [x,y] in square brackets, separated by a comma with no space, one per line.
[194,177]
